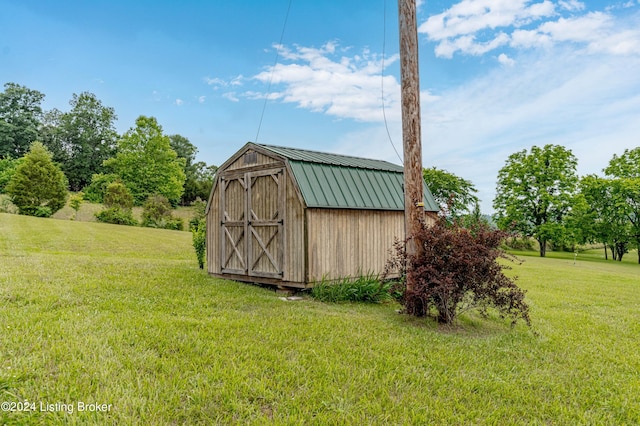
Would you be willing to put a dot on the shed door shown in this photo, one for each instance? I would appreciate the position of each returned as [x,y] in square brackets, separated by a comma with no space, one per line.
[253,206]
[233,244]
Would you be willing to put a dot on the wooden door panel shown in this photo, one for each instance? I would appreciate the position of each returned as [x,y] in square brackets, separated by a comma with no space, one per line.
[252,225]
[265,205]
[234,228]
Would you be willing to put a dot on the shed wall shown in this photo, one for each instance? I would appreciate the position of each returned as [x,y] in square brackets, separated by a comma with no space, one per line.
[295,245]
[251,159]
[213,233]
[349,243]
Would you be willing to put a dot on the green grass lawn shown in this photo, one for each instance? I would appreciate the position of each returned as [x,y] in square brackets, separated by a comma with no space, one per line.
[108,314]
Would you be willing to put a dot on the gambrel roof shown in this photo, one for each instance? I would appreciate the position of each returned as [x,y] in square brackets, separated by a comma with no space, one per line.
[328,180]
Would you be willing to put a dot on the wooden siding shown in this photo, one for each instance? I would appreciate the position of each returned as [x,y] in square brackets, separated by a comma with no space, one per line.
[252,159]
[213,233]
[348,243]
[294,237]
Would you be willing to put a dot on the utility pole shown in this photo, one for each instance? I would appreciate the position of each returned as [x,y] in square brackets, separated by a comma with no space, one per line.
[411,139]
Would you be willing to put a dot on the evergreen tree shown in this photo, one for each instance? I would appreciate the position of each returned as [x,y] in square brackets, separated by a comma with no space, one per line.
[38,186]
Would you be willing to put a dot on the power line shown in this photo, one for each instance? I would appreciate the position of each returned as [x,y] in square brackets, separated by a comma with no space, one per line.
[384,114]
[273,69]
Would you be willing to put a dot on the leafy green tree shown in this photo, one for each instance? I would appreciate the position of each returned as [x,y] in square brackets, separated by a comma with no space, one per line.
[625,166]
[198,183]
[599,215]
[198,176]
[94,193]
[50,134]
[75,201]
[454,194]
[87,137]
[184,149]
[38,186]
[7,169]
[535,192]
[626,171]
[146,163]
[20,114]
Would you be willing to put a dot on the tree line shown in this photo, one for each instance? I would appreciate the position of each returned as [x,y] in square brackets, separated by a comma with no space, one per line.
[539,195]
[91,154]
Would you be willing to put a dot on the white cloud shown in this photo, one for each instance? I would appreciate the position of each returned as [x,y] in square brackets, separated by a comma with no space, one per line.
[468,44]
[232,96]
[476,27]
[201,99]
[505,60]
[218,83]
[471,16]
[571,5]
[179,102]
[215,81]
[324,80]
[598,31]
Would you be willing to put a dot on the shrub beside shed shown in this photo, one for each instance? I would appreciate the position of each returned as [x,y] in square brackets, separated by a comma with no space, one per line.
[291,217]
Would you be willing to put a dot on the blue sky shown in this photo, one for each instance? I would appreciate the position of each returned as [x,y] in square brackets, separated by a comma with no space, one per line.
[497,76]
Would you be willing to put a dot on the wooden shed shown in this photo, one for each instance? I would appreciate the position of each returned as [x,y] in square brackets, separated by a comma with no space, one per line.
[292,217]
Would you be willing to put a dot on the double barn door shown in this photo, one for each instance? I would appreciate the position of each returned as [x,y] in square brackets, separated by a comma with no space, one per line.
[253,206]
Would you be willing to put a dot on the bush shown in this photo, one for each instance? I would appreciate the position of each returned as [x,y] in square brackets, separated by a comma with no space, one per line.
[119,202]
[157,214]
[94,192]
[117,216]
[39,211]
[520,243]
[38,187]
[6,206]
[199,234]
[366,288]
[117,195]
[456,269]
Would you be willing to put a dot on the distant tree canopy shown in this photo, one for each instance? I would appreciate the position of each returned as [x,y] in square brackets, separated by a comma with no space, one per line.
[454,194]
[625,172]
[7,169]
[535,192]
[198,176]
[599,215]
[85,143]
[82,139]
[20,115]
[146,164]
[38,187]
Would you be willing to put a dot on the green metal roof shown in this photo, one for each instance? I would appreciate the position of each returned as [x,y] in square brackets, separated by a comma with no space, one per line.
[339,181]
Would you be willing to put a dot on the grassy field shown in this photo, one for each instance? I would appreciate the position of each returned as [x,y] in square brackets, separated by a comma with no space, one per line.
[122,317]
